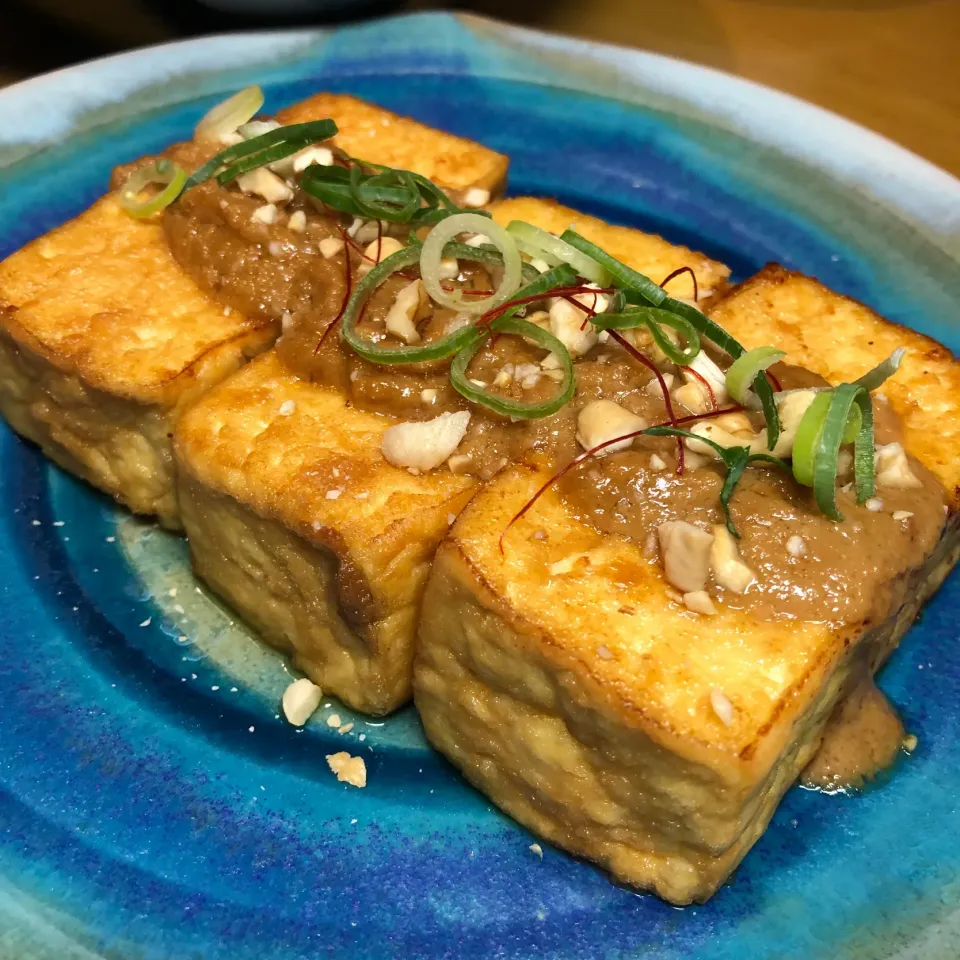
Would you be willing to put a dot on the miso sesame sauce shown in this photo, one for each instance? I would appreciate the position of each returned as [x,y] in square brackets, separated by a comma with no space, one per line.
[863,737]
[847,573]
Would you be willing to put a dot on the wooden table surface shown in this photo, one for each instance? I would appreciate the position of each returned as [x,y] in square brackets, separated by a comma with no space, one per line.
[891,65]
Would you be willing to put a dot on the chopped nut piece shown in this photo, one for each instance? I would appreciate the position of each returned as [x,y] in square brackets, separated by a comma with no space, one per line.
[428,395]
[791,406]
[653,387]
[400,317]
[874,504]
[657,462]
[348,769]
[264,184]
[298,221]
[334,720]
[686,554]
[330,247]
[694,397]
[376,252]
[537,849]
[603,420]
[729,570]
[699,601]
[265,214]
[893,468]
[902,514]
[334,494]
[716,433]
[910,743]
[322,156]
[796,546]
[566,321]
[300,700]
[346,728]
[722,706]
[287,408]
[710,372]
[425,444]
[476,197]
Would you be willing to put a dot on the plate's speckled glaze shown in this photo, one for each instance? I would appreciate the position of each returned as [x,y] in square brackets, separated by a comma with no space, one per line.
[152,803]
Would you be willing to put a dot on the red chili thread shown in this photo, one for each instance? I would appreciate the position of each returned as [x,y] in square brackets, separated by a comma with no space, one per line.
[667,402]
[676,273]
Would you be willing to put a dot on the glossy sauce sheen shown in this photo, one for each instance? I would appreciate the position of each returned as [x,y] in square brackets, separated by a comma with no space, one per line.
[863,737]
[851,572]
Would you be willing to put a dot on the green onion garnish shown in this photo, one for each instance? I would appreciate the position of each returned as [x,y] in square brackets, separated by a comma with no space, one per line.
[735,459]
[259,151]
[433,250]
[835,417]
[376,353]
[654,319]
[536,242]
[745,369]
[876,377]
[507,405]
[164,172]
[622,274]
[230,114]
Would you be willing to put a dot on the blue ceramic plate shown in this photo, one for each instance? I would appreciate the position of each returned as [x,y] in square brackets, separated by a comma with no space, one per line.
[153,804]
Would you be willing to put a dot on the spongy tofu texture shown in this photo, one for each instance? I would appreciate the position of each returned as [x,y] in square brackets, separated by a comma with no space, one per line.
[646,252]
[312,478]
[597,689]
[102,339]
[369,132]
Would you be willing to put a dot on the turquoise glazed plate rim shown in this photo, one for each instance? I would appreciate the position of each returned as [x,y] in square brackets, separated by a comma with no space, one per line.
[153,804]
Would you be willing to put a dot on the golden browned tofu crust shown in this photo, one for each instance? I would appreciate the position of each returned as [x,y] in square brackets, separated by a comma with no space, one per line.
[369,132]
[646,252]
[272,466]
[102,340]
[580,697]
[840,339]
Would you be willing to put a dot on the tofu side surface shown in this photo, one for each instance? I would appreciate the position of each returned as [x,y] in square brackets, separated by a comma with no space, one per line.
[105,339]
[581,702]
[312,482]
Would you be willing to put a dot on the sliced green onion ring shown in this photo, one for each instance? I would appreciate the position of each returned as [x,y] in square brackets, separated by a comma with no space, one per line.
[842,400]
[655,319]
[882,371]
[432,253]
[744,370]
[807,440]
[554,251]
[507,406]
[230,114]
[438,350]
[164,172]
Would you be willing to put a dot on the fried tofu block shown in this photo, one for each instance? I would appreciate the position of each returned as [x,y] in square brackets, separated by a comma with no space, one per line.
[296,520]
[104,339]
[371,133]
[841,339]
[347,606]
[559,676]
[646,252]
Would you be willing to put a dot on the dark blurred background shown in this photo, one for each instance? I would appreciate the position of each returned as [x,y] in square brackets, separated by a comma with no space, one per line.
[892,65]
